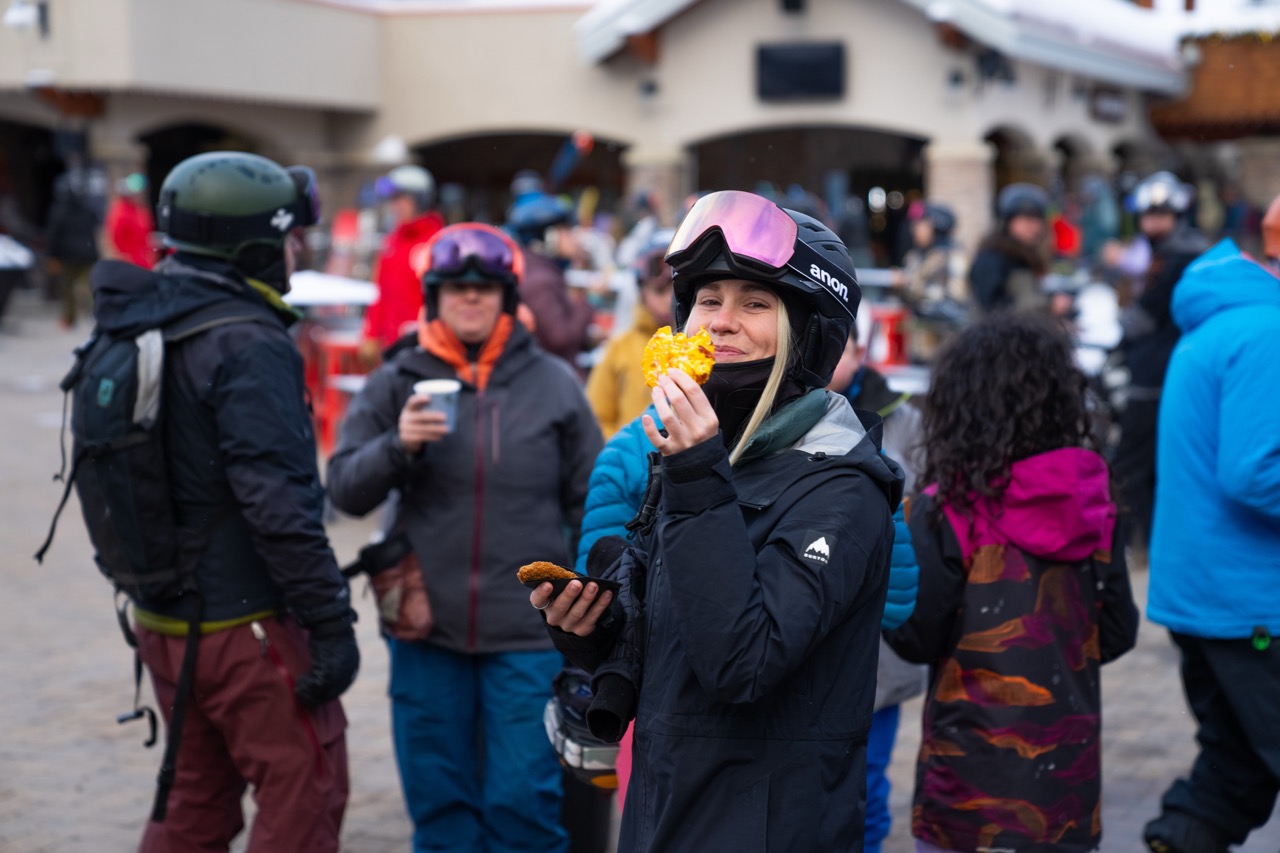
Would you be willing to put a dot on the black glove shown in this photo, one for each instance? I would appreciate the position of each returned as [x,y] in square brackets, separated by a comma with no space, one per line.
[335,657]
[616,682]
[604,552]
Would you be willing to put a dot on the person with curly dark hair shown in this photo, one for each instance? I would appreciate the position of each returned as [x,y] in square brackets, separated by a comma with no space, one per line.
[1023,594]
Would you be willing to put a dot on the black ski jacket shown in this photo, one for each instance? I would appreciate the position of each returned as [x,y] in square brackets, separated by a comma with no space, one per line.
[759,637]
[242,454]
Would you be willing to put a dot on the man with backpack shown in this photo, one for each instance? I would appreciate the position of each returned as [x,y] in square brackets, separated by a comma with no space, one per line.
[205,508]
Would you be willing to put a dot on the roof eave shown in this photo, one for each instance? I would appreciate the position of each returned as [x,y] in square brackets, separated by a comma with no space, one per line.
[603,31]
[1098,65]
[1003,32]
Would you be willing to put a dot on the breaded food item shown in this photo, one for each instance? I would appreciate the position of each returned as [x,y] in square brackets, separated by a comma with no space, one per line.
[536,573]
[695,355]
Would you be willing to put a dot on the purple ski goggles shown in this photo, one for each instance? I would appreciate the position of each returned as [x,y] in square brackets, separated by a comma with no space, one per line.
[471,247]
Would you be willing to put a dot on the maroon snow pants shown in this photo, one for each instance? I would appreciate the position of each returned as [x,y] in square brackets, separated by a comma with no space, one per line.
[243,727]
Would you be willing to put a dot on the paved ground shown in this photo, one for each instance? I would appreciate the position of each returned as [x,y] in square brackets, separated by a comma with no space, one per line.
[72,781]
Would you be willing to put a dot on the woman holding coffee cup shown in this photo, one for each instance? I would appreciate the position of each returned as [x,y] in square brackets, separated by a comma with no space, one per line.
[489,443]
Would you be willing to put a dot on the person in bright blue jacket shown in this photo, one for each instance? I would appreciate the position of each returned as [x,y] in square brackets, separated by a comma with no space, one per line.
[1215,550]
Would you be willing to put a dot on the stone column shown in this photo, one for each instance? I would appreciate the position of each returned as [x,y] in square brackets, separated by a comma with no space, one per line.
[959,174]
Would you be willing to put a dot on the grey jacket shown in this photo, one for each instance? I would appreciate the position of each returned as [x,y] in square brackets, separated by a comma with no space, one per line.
[896,680]
[507,487]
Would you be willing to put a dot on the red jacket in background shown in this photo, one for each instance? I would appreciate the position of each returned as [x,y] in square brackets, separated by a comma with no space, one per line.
[399,290]
[129,228]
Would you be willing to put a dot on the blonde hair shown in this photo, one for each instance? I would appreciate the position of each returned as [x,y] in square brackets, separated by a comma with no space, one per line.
[770,392]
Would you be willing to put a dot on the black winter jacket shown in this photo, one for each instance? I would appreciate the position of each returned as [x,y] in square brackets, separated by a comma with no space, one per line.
[1006,274]
[764,590]
[240,442]
[1149,331]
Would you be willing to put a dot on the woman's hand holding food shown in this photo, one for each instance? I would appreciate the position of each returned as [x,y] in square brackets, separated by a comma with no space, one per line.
[574,611]
[579,605]
[686,413]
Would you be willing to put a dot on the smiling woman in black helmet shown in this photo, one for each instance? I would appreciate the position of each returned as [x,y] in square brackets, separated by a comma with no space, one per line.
[744,636]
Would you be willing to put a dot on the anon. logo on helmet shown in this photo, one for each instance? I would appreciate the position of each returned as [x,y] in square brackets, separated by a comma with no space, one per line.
[831,282]
[282,220]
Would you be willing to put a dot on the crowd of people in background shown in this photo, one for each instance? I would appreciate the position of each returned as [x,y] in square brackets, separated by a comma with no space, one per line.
[744,590]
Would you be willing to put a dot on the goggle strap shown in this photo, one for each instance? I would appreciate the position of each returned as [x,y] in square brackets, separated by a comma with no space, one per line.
[210,229]
[806,262]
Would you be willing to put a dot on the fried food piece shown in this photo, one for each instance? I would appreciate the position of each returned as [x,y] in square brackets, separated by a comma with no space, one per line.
[695,356]
[536,573]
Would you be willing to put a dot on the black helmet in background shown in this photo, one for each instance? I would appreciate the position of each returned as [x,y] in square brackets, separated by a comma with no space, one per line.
[1161,192]
[237,207]
[940,216]
[733,234]
[1022,199]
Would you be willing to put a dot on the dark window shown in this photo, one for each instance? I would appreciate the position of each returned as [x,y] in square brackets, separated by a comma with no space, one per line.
[800,71]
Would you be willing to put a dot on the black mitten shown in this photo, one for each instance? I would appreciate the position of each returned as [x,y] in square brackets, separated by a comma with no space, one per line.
[604,552]
[616,682]
[335,657]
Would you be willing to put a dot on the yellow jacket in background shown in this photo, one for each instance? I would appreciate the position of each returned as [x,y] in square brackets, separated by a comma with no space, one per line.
[616,388]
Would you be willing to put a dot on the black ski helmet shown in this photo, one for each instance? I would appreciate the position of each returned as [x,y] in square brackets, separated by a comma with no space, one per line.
[817,282]
[941,217]
[1022,199]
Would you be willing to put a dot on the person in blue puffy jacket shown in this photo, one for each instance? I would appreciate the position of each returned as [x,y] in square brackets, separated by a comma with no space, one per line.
[1215,574]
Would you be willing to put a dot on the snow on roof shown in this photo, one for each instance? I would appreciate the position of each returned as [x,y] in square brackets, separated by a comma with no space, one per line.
[1109,40]
[1230,18]
[391,7]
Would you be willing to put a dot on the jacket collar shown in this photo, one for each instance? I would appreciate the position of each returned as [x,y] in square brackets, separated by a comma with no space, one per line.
[819,423]
[787,426]
[517,354]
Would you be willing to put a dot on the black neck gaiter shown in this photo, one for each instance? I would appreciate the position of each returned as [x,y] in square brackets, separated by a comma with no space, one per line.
[734,389]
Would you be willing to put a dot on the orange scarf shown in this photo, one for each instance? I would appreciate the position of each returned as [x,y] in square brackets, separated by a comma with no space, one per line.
[438,339]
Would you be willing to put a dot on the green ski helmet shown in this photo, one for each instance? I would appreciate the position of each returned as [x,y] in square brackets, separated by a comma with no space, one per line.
[236,206]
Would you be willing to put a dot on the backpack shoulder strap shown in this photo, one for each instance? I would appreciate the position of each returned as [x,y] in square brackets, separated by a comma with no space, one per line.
[210,316]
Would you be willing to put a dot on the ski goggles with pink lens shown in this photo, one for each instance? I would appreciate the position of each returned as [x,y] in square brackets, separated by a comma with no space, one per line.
[760,239]
[756,232]
[472,248]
